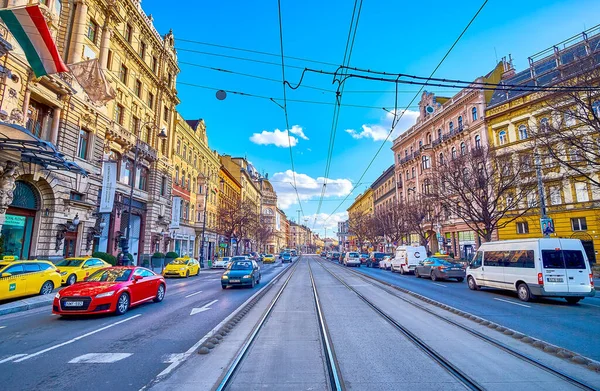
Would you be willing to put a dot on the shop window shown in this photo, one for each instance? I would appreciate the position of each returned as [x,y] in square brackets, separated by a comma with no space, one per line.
[522,227]
[579,224]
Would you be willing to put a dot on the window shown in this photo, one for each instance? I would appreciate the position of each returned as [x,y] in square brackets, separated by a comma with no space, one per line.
[554,194]
[119,114]
[463,149]
[460,122]
[142,178]
[426,186]
[420,144]
[154,64]
[532,200]
[138,88]
[166,113]
[563,259]
[451,126]
[525,161]
[494,258]
[142,50]
[544,124]
[453,153]
[178,149]
[596,108]
[569,119]
[439,134]
[135,128]
[184,151]
[128,32]
[581,192]
[575,155]
[441,159]
[123,74]
[502,137]
[170,79]
[477,260]
[425,162]
[163,186]
[176,175]
[109,60]
[428,138]
[406,153]
[82,148]
[474,113]
[92,31]
[126,172]
[522,132]
[477,141]
[413,172]
[151,100]
[523,227]
[75,196]
[407,175]
[520,258]
[579,224]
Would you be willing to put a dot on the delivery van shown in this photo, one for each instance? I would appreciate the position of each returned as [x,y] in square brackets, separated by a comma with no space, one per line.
[407,258]
[545,267]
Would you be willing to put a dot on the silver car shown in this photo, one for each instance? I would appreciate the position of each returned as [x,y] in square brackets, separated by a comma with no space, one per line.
[440,269]
[352,259]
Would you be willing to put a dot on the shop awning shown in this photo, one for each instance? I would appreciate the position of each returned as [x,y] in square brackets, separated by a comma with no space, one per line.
[35,150]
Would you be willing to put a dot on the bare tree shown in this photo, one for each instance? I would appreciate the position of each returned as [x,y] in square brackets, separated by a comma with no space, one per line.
[358,227]
[236,218]
[263,231]
[393,222]
[421,215]
[373,230]
[485,190]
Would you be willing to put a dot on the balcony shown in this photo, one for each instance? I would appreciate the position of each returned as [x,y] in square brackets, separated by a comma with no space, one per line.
[147,150]
[436,142]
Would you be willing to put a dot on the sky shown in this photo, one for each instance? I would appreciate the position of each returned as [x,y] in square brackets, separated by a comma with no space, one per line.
[392,36]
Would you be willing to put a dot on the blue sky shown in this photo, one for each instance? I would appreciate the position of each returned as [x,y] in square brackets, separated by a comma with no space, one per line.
[408,38]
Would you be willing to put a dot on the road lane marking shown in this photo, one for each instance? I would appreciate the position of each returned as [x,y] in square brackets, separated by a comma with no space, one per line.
[435,283]
[99,358]
[193,294]
[594,305]
[27,357]
[1,327]
[512,302]
[14,357]
[203,308]
[174,357]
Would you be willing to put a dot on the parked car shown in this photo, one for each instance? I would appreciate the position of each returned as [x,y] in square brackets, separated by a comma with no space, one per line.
[287,257]
[407,258]
[386,263]
[352,259]
[342,257]
[221,263]
[294,253]
[76,269]
[243,272]
[363,258]
[182,267]
[374,259]
[440,269]
[25,278]
[335,257]
[269,258]
[545,267]
[114,289]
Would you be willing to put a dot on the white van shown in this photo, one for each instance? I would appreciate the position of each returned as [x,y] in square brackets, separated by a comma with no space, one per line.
[533,267]
[407,258]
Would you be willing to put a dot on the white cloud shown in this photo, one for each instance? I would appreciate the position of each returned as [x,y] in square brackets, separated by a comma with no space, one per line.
[298,131]
[326,220]
[378,132]
[308,188]
[277,137]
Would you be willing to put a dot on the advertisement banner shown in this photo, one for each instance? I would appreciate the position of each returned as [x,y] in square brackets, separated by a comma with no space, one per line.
[277,222]
[109,185]
[176,212]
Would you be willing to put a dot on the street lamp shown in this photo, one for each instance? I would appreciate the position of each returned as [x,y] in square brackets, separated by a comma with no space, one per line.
[162,135]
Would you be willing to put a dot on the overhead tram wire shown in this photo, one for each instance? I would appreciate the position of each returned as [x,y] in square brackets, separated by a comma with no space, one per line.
[410,103]
[287,122]
[339,93]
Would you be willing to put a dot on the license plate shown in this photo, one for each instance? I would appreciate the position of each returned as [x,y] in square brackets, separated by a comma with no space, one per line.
[234,280]
[456,268]
[555,279]
[73,303]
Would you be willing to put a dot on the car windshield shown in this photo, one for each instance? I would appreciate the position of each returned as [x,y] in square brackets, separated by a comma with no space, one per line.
[269,255]
[241,265]
[110,275]
[239,258]
[70,262]
[352,255]
[378,255]
[226,259]
[179,261]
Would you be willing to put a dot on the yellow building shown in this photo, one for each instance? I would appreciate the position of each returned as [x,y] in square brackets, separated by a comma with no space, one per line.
[362,207]
[229,196]
[571,203]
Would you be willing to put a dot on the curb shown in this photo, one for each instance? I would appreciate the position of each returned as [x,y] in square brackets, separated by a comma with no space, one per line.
[565,354]
[25,307]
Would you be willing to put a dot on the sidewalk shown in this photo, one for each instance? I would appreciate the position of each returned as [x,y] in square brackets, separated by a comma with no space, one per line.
[27,304]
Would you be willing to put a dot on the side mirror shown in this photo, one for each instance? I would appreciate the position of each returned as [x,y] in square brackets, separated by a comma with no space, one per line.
[84,266]
[85,278]
[137,278]
[6,275]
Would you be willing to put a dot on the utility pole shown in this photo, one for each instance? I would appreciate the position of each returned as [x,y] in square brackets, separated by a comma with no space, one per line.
[540,184]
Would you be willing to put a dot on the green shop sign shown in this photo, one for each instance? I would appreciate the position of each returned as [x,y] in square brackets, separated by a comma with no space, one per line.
[15,221]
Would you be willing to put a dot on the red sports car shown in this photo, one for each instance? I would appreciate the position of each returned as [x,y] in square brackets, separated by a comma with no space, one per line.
[113,289]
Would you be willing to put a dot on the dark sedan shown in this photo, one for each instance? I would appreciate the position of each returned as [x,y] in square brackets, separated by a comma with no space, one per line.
[241,273]
[440,269]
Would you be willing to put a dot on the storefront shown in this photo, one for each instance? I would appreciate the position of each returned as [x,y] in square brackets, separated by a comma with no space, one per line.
[183,244]
[466,244]
[18,227]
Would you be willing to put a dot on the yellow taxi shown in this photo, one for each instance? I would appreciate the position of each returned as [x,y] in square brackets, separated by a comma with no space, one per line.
[78,268]
[25,278]
[269,258]
[182,267]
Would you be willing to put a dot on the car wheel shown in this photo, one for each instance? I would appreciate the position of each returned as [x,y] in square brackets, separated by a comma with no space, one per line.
[223,286]
[187,274]
[460,279]
[253,284]
[472,285]
[72,279]
[47,288]
[358,265]
[402,270]
[573,300]
[122,304]
[160,294]
[523,292]
[416,273]
[433,276]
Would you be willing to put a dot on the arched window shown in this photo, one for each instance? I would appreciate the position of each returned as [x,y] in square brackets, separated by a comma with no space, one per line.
[182,178]
[463,148]
[477,141]
[177,175]
[451,126]
[460,122]
[439,134]
[503,137]
[189,182]
[453,153]
[426,186]
[544,124]
[407,175]
[429,138]
[413,172]
[474,113]
[522,132]
[25,196]
[425,162]
[184,151]
[441,158]
[420,144]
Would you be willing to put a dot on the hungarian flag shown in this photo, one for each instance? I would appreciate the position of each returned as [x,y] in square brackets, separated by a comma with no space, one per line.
[28,26]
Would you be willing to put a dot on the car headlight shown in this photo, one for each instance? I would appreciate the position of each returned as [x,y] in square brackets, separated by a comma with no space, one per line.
[63,273]
[224,277]
[57,296]
[247,276]
[181,269]
[105,294]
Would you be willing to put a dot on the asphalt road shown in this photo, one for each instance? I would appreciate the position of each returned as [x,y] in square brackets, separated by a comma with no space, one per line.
[41,351]
[573,327]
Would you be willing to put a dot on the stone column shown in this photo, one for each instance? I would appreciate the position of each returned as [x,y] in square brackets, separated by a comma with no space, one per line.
[104,46]
[26,100]
[76,49]
[8,174]
[53,137]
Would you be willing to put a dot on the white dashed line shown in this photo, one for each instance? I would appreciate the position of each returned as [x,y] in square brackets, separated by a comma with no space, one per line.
[193,294]
[512,302]
[1,327]
[443,286]
[14,357]
[99,358]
